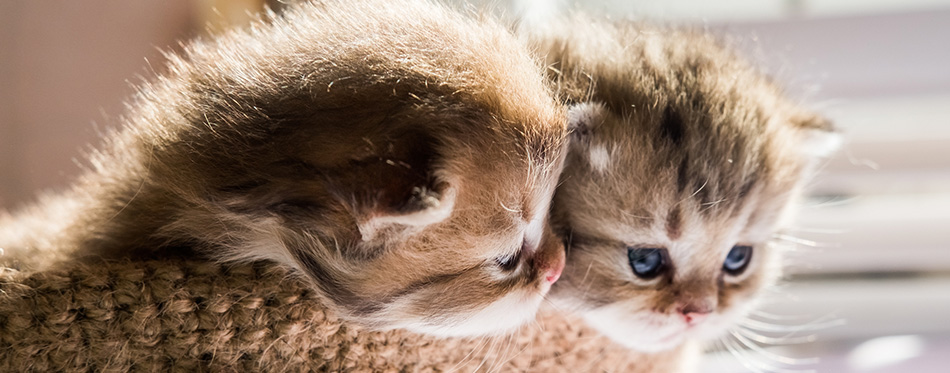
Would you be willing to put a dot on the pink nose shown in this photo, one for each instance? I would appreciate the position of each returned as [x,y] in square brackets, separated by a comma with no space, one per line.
[694,312]
[556,267]
[694,318]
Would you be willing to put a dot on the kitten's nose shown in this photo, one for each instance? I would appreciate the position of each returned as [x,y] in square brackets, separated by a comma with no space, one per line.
[693,318]
[554,271]
[550,258]
[695,313]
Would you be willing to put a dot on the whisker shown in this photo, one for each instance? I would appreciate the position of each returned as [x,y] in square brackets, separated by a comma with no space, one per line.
[770,355]
[631,215]
[772,316]
[701,187]
[509,209]
[713,203]
[833,202]
[816,230]
[587,272]
[856,161]
[802,241]
[488,352]
[742,358]
[512,345]
[553,305]
[812,326]
[761,366]
[784,340]
[481,343]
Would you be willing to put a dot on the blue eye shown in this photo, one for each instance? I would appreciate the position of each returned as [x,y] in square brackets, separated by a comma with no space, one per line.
[737,260]
[646,263]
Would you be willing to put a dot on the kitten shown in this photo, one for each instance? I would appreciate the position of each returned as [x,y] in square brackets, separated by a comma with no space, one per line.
[396,153]
[684,163]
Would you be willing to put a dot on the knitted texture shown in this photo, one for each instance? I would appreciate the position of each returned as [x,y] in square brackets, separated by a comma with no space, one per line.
[193,315]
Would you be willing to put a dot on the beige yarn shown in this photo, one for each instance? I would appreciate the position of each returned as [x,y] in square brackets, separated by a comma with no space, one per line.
[192,315]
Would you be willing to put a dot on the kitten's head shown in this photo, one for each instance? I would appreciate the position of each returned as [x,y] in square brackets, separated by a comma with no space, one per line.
[684,162]
[403,159]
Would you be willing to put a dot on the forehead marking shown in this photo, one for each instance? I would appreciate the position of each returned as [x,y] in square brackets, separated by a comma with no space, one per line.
[682,175]
[674,223]
[672,127]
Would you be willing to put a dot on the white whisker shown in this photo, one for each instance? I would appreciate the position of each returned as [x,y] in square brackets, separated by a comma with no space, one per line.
[784,340]
[630,215]
[770,355]
[587,272]
[760,366]
[812,326]
[742,358]
[701,187]
[713,203]
[772,316]
[509,209]
[478,346]
[801,241]
[817,230]
[837,201]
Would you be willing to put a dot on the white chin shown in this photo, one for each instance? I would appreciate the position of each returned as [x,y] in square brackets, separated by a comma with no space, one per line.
[633,333]
[504,315]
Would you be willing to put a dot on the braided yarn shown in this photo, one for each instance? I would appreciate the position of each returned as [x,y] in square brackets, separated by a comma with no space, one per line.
[194,315]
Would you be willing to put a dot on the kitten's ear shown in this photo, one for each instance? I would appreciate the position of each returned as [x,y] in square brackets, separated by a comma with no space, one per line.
[398,185]
[584,117]
[422,206]
[818,137]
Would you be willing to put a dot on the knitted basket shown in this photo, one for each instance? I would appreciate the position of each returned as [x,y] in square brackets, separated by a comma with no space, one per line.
[194,315]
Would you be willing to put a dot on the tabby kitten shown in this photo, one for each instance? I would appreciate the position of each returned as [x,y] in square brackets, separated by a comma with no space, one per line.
[398,154]
[684,163]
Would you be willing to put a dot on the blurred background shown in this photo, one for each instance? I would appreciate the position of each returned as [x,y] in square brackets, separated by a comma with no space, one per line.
[869,289]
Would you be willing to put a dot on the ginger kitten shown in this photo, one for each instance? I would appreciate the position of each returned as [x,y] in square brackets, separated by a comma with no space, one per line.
[684,162]
[397,154]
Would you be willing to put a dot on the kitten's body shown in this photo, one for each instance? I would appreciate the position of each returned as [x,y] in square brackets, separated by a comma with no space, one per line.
[682,147]
[349,141]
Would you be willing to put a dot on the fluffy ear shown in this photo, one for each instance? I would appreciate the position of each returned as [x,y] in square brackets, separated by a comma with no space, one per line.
[398,186]
[583,117]
[818,137]
[582,120]
[422,206]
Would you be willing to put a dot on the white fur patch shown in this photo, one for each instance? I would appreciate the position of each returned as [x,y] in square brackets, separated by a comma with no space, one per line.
[642,331]
[584,115]
[821,144]
[534,231]
[503,315]
[599,158]
[440,210]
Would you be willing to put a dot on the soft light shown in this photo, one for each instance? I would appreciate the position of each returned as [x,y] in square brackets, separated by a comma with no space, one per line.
[884,351]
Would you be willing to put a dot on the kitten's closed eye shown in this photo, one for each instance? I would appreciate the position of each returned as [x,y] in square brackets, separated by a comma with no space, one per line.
[737,260]
[510,262]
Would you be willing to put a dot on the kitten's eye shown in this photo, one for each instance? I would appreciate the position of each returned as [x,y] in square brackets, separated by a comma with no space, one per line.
[646,263]
[508,263]
[737,260]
